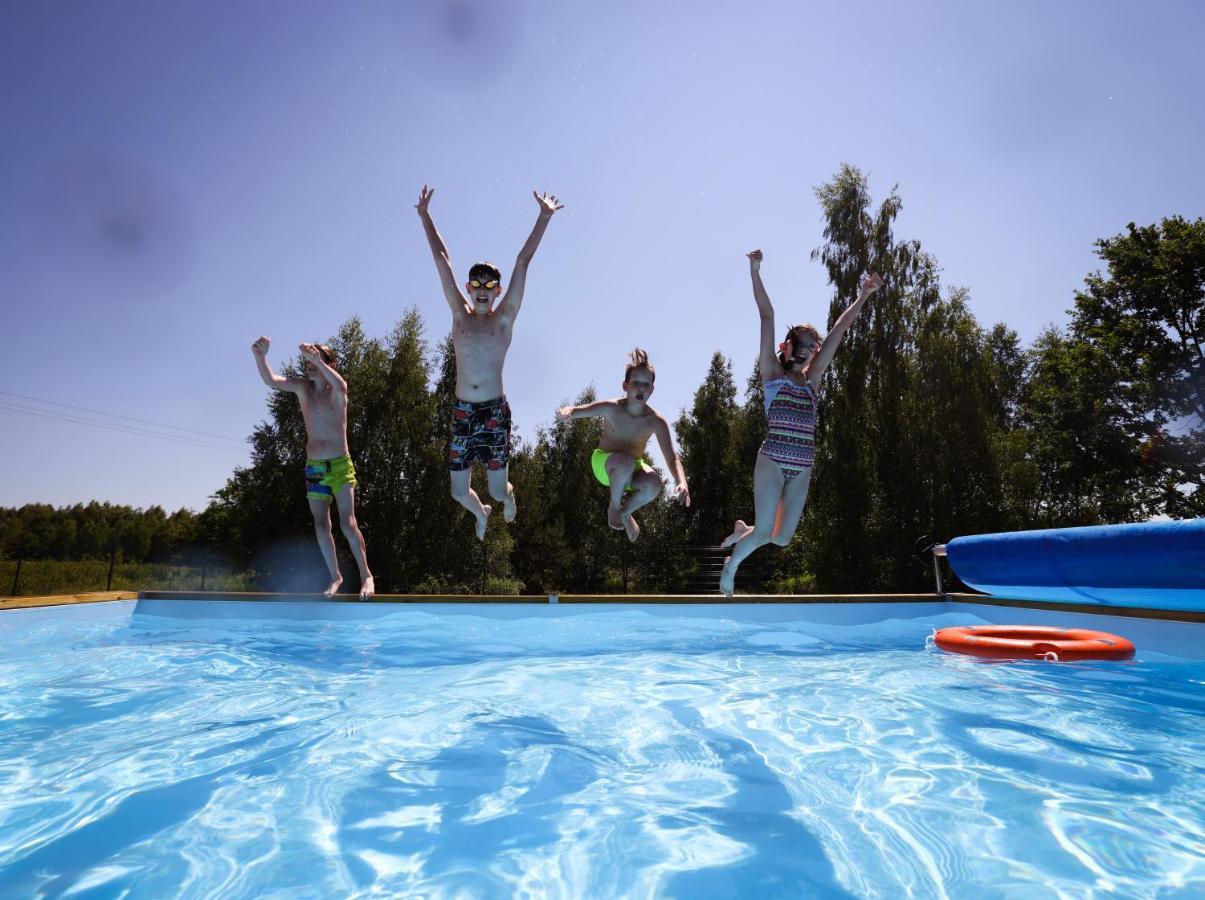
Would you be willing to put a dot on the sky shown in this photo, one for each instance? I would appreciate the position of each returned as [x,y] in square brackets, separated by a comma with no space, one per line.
[181,176]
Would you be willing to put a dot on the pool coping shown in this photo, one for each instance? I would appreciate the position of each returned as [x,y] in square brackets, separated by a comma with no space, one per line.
[33,602]
[618,599]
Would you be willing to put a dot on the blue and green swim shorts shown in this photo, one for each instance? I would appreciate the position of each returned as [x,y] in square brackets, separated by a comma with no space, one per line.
[324,477]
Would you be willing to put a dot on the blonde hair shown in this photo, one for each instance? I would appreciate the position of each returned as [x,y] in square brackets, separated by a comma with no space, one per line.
[639,359]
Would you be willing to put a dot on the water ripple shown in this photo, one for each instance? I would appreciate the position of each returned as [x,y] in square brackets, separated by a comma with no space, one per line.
[603,754]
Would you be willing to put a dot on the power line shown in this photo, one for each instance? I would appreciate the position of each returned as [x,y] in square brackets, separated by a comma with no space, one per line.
[76,420]
[98,412]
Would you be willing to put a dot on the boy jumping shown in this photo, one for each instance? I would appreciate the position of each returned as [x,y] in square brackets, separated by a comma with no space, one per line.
[618,463]
[329,473]
[481,335]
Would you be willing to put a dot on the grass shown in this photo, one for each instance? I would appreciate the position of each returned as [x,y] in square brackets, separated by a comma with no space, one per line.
[76,577]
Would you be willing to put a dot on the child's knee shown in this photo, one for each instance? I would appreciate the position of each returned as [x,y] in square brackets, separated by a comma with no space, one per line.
[621,464]
[782,539]
[460,491]
[500,492]
[649,485]
[348,524]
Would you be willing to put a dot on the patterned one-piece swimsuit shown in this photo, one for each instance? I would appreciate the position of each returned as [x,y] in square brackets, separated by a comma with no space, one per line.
[791,416]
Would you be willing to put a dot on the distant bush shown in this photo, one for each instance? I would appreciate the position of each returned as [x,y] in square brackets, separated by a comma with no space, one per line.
[75,577]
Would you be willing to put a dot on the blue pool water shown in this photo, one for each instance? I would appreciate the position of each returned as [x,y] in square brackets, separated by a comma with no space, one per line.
[220,750]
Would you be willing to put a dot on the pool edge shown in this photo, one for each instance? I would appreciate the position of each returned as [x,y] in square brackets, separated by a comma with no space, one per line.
[52,600]
[41,600]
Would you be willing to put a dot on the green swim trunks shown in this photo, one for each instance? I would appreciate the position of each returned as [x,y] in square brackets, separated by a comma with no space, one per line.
[598,462]
[324,477]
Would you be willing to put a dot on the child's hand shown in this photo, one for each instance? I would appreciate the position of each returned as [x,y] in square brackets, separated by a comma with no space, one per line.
[424,199]
[309,351]
[682,492]
[548,205]
[564,414]
[755,259]
[260,347]
[871,283]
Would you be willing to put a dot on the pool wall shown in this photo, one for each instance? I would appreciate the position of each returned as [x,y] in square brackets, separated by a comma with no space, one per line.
[1179,635]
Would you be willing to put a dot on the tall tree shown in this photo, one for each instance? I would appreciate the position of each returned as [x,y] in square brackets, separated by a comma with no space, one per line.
[911,411]
[705,434]
[861,480]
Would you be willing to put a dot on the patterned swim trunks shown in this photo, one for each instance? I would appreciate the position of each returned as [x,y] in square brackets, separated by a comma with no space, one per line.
[480,432]
[324,477]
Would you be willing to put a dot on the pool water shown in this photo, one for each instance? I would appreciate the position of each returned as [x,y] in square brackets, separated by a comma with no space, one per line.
[595,752]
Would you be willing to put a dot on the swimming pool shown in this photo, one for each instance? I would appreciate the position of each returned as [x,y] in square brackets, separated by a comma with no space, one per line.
[236,749]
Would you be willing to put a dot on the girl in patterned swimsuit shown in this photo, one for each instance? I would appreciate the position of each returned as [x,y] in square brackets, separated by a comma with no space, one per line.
[791,379]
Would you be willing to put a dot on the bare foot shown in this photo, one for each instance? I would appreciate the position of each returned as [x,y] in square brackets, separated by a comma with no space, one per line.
[615,518]
[367,588]
[334,587]
[728,578]
[509,507]
[633,530]
[738,532]
[482,520]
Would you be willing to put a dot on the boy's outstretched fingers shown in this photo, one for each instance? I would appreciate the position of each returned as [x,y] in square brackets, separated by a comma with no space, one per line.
[548,202]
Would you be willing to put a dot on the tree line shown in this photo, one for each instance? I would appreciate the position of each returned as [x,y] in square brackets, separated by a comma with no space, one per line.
[930,424]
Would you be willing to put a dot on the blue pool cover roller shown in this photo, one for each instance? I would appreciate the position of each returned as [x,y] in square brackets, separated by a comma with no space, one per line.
[1155,565]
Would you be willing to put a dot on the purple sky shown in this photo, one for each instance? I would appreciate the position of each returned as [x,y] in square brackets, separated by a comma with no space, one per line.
[180,177]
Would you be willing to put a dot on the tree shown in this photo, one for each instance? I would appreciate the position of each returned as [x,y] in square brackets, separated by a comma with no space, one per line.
[861,480]
[911,411]
[705,436]
[1142,324]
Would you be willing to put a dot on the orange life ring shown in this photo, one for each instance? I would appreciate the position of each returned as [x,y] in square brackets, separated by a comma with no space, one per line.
[1033,642]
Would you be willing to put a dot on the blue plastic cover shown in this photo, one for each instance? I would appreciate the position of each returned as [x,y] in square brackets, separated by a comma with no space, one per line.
[1155,565]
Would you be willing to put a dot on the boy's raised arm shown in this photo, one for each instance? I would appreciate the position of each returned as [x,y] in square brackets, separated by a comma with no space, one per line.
[270,378]
[443,261]
[509,307]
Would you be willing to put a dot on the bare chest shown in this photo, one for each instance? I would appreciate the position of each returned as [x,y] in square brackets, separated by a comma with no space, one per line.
[628,429]
[322,406]
[476,335]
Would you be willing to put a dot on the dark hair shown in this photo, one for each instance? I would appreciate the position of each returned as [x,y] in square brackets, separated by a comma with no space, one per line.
[485,271]
[327,354]
[810,329]
[639,359]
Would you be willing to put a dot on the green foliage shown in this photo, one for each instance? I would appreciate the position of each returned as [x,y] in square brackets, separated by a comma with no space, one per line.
[708,434]
[95,530]
[927,424]
[39,577]
[1141,327]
